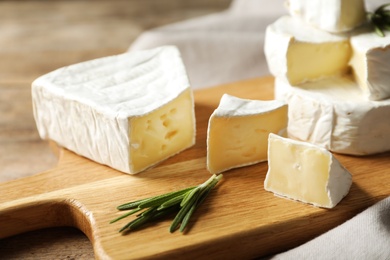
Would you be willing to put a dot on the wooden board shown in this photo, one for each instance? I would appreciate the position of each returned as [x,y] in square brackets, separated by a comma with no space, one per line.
[239,219]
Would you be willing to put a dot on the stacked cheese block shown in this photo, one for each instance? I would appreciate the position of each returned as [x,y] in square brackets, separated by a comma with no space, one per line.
[128,111]
[334,73]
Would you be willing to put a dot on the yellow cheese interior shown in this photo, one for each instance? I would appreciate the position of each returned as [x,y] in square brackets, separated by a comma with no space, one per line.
[359,69]
[311,61]
[298,172]
[162,133]
[238,141]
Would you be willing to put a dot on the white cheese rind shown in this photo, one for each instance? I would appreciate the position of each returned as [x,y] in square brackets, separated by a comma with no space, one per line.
[238,129]
[298,52]
[88,107]
[305,172]
[231,106]
[329,15]
[371,64]
[334,114]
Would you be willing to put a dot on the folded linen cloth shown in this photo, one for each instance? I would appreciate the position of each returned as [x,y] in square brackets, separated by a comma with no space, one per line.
[219,48]
[366,236]
[227,47]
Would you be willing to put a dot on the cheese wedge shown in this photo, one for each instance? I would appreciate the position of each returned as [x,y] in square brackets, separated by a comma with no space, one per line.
[329,15]
[371,64]
[305,172]
[238,131]
[298,52]
[128,111]
[334,114]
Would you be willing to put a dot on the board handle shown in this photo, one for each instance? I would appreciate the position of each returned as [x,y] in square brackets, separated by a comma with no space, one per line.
[33,214]
[36,202]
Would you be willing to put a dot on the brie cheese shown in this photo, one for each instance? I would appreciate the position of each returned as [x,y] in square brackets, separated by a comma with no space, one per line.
[238,131]
[128,111]
[305,172]
[334,114]
[329,15]
[298,52]
[371,64]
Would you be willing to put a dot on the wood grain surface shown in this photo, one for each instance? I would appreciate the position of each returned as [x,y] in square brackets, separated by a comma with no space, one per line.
[39,36]
[240,220]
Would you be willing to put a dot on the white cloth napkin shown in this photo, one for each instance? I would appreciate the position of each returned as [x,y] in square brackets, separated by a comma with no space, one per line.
[366,236]
[227,47]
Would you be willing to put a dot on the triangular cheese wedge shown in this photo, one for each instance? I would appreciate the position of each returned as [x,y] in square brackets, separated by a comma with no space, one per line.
[305,172]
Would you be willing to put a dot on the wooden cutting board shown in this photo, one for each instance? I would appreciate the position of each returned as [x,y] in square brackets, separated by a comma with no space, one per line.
[238,220]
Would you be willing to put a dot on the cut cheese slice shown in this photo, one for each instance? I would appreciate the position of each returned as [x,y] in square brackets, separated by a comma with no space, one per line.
[298,52]
[371,64]
[128,111]
[330,15]
[334,114]
[305,172]
[238,131]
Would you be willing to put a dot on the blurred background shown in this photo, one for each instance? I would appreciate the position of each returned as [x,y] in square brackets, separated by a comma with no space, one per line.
[38,36]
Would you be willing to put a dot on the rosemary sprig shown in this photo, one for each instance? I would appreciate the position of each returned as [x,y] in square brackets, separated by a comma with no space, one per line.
[184,202]
[380,19]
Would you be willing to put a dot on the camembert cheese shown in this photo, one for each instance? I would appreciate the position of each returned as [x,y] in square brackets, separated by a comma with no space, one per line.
[329,15]
[238,131]
[334,114]
[305,172]
[128,111]
[371,64]
[298,52]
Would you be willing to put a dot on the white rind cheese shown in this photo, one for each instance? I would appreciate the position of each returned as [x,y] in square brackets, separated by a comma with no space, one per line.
[305,172]
[330,15]
[334,114]
[120,109]
[238,131]
[371,64]
[298,52]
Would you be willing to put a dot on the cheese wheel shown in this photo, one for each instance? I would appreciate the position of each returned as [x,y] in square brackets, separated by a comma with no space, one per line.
[298,52]
[334,113]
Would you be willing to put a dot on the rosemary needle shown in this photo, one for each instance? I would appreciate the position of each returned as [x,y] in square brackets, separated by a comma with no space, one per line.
[203,194]
[135,204]
[184,202]
[171,202]
[183,211]
[125,215]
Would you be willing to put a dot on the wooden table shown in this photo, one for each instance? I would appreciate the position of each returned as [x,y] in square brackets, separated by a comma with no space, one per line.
[39,36]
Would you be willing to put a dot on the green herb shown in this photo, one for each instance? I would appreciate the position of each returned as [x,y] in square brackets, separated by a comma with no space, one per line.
[380,19]
[184,202]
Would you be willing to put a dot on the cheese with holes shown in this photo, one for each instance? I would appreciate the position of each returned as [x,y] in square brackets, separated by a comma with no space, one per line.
[329,15]
[238,131]
[299,52]
[305,172]
[371,64]
[334,114]
[128,111]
